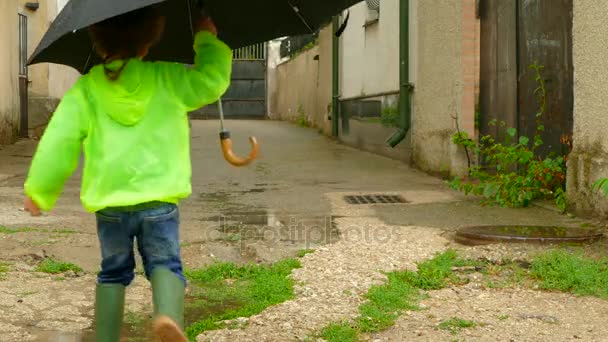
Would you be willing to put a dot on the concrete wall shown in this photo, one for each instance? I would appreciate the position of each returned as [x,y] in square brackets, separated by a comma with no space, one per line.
[444,68]
[439,85]
[589,158]
[9,70]
[369,59]
[302,86]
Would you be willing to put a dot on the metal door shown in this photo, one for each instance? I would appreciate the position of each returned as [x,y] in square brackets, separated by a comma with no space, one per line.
[246,97]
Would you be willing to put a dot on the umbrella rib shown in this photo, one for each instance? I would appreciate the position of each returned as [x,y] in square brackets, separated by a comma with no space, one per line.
[296,9]
[86,64]
[190,17]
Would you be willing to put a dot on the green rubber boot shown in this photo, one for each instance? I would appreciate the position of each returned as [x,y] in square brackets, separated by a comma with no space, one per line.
[109,309]
[168,296]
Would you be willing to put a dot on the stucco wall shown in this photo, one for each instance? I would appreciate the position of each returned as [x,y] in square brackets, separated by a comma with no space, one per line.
[302,86]
[369,56]
[9,70]
[589,158]
[437,75]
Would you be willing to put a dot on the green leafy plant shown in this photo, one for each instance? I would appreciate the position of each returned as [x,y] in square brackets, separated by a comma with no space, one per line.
[390,116]
[601,186]
[513,175]
[305,48]
[302,120]
[455,325]
[53,266]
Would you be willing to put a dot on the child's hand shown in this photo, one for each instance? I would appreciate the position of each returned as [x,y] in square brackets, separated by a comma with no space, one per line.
[31,207]
[207,24]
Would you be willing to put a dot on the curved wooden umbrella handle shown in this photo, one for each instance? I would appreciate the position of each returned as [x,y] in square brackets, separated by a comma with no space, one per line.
[233,159]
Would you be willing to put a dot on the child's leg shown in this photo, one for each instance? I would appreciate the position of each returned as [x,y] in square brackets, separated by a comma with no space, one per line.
[117,271]
[158,243]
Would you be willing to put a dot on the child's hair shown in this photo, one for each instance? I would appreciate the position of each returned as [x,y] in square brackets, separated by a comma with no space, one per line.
[126,36]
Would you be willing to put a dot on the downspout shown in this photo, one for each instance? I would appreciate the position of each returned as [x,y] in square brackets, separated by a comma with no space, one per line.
[405,88]
[335,104]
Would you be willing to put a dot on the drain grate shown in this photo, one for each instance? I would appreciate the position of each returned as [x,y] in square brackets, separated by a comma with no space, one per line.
[374,199]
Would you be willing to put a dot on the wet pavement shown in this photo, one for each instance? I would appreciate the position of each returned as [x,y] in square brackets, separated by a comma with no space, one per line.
[262,213]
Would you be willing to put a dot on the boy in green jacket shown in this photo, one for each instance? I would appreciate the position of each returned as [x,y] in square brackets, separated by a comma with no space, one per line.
[130,117]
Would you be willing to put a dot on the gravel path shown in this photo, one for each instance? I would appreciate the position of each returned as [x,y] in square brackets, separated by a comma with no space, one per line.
[334,278]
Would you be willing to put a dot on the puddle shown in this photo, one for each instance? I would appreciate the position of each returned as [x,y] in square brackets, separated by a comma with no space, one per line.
[527,234]
[265,226]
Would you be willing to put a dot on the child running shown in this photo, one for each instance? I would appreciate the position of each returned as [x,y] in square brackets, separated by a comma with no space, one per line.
[130,118]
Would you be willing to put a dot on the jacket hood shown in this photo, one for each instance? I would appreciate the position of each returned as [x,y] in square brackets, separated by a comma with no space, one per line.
[125,99]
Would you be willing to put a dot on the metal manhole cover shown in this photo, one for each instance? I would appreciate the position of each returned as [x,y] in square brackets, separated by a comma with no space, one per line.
[374,199]
[531,234]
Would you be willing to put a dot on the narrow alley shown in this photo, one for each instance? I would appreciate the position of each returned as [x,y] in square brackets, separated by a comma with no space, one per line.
[291,199]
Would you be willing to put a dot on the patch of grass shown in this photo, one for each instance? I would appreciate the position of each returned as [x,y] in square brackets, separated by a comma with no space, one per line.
[503,317]
[303,252]
[402,292]
[340,332]
[52,266]
[455,325]
[233,237]
[390,116]
[4,268]
[6,230]
[563,271]
[505,275]
[136,323]
[237,292]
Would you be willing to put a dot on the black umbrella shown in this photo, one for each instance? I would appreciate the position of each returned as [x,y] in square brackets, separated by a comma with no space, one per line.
[240,22]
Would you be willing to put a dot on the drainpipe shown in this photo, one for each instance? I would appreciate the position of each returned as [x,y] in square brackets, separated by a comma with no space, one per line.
[405,89]
[335,104]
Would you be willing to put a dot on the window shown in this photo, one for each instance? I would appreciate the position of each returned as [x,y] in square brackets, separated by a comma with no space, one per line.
[373,11]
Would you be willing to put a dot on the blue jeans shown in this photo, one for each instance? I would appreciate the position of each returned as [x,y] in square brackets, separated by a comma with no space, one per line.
[155,227]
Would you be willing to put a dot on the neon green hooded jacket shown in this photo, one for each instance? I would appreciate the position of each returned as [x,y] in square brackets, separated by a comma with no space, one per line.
[134,131]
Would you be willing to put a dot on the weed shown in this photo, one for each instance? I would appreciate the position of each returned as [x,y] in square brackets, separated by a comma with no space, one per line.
[233,237]
[390,116]
[303,252]
[402,292]
[4,268]
[6,230]
[563,271]
[302,120]
[339,332]
[305,48]
[455,325]
[601,186]
[513,174]
[503,317]
[248,289]
[136,325]
[53,266]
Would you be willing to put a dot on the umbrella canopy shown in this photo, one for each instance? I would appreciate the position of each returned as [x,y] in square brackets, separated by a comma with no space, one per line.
[240,23]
